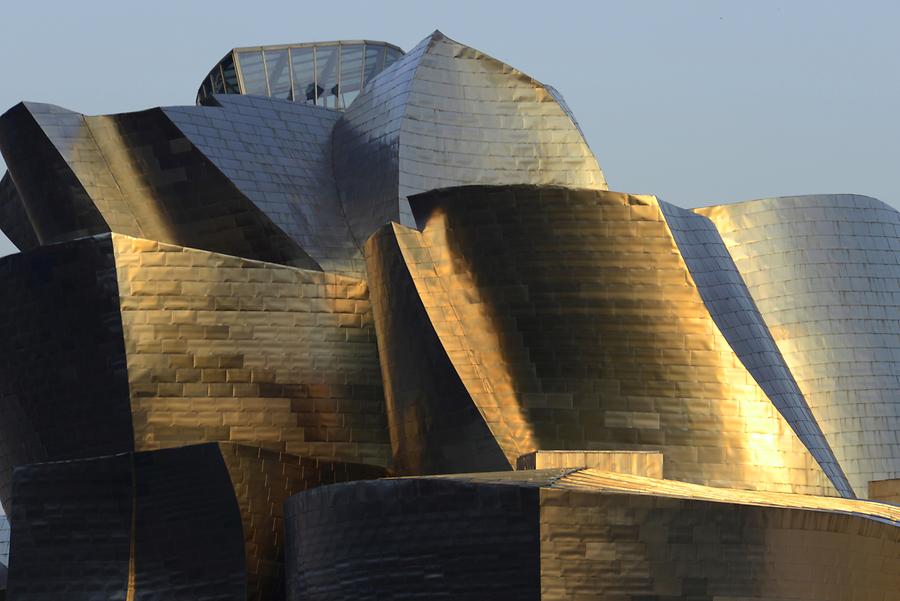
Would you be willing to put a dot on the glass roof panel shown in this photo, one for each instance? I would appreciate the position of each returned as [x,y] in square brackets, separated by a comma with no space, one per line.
[253,72]
[351,73]
[304,75]
[327,58]
[374,60]
[231,81]
[279,69]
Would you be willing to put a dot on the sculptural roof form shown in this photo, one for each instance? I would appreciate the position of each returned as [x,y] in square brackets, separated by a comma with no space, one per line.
[298,341]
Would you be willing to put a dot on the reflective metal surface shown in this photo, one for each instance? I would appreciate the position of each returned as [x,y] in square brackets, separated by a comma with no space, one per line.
[432,281]
[571,322]
[278,154]
[447,115]
[585,534]
[732,308]
[134,174]
[160,525]
[823,271]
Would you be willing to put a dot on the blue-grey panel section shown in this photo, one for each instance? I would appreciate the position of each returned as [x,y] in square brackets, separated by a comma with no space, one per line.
[278,154]
[732,308]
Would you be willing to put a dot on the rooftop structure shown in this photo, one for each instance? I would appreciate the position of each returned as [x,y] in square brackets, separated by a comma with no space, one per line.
[329,74]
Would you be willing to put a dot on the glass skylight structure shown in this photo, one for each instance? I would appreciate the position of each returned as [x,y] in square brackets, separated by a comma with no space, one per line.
[328,74]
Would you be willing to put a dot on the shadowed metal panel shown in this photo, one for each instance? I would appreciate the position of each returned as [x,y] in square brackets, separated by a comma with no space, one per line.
[413,539]
[39,142]
[278,154]
[71,530]
[434,425]
[14,219]
[573,323]
[263,480]
[731,306]
[824,272]
[63,384]
[447,115]
[188,541]
[134,174]
[157,525]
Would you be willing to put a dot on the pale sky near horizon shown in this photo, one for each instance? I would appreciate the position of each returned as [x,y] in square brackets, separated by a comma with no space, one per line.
[698,102]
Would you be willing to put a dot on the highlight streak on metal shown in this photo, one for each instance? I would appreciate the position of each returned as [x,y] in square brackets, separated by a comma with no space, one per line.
[731,306]
[824,272]
[574,323]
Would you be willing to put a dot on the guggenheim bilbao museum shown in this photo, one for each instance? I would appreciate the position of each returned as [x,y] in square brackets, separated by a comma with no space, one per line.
[369,324]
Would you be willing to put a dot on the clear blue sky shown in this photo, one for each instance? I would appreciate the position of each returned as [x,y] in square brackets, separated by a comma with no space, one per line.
[696,102]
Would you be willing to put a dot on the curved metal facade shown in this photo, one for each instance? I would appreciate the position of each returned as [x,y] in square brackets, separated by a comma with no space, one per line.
[617,350]
[221,309]
[823,271]
[448,115]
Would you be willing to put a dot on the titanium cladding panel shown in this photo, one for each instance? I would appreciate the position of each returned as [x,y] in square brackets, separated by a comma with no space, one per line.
[573,323]
[824,272]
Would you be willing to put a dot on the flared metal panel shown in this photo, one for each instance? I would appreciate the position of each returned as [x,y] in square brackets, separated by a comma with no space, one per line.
[823,271]
[40,144]
[602,536]
[134,174]
[413,539]
[72,530]
[574,323]
[63,384]
[278,154]
[447,115]
[263,480]
[732,308]
[434,426]
[222,348]
[647,545]
[14,219]
[158,525]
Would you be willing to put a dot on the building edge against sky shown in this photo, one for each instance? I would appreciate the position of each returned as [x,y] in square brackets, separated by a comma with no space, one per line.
[348,262]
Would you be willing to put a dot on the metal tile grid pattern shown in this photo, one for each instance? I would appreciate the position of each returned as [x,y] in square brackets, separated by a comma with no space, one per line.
[389,540]
[471,119]
[188,544]
[134,174]
[221,348]
[40,144]
[434,425]
[63,384]
[732,308]
[624,547]
[278,154]
[824,272]
[263,480]
[639,463]
[447,115]
[367,147]
[71,530]
[13,219]
[135,527]
[574,324]
[602,536]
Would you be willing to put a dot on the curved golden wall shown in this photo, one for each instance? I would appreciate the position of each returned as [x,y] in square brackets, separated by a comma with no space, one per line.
[573,323]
